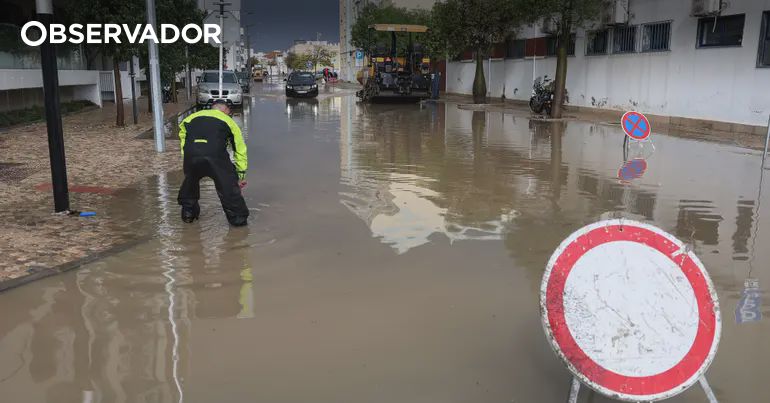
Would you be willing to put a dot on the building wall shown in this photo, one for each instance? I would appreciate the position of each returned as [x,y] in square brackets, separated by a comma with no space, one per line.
[24,88]
[721,84]
[308,46]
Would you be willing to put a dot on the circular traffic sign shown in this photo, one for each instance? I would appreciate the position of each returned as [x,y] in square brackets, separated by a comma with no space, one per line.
[636,125]
[631,312]
[632,169]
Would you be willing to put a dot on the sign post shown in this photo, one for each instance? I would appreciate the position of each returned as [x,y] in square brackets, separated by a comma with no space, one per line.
[61,200]
[631,311]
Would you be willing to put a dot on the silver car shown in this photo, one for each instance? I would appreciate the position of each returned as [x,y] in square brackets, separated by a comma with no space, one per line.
[208,88]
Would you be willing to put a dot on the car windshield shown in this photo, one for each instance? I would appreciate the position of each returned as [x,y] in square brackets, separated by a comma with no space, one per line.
[302,78]
[227,77]
[242,75]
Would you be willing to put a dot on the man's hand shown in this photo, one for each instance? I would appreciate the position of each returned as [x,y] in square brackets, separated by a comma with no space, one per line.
[242,184]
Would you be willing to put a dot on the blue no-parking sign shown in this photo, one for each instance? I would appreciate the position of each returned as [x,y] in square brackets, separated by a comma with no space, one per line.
[636,125]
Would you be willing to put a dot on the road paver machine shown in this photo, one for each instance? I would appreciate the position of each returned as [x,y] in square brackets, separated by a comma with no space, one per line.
[399,73]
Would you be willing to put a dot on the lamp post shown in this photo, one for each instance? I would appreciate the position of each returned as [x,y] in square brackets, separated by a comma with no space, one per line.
[157,101]
[61,201]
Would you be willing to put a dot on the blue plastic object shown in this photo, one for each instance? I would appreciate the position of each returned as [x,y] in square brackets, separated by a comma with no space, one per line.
[87,214]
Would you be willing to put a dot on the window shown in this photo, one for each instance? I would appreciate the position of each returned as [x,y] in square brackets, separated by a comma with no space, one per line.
[721,31]
[514,49]
[552,45]
[764,41]
[596,42]
[624,39]
[656,37]
[534,47]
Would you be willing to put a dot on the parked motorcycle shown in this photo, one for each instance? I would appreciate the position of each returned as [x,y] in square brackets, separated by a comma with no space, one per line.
[542,96]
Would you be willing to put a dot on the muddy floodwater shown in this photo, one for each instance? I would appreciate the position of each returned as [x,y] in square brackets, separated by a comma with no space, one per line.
[394,254]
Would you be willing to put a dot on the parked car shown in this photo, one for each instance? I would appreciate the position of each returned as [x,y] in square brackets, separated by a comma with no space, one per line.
[245,80]
[301,84]
[208,88]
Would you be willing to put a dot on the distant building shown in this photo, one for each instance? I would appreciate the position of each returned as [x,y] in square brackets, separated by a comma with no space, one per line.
[275,62]
[301,47]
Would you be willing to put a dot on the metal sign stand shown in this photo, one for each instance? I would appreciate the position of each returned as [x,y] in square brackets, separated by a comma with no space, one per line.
[575,389]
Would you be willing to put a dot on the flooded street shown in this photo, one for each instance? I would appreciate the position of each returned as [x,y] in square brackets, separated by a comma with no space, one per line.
[394,254]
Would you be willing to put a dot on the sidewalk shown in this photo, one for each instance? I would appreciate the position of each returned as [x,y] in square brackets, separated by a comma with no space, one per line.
[660,124]
[101,159]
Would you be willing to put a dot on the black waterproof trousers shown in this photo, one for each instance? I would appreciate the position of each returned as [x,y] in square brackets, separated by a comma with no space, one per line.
[222,172]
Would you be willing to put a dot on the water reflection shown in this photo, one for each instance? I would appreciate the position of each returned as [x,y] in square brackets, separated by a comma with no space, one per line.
[119,330]
[413,171]
[298,108]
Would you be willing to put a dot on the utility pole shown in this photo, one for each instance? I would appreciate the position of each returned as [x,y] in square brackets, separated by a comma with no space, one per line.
[221,5]
[188,75]
[61,198]
[248,50]
[157,101]
[132,74]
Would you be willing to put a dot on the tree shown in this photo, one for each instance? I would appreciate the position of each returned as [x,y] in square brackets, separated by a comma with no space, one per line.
[171,56]
[319,55]
[459,25]
[296,61]
[566,15]
[364,38]
[129,12]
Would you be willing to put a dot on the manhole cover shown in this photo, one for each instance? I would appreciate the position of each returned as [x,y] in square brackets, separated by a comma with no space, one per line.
[11,172]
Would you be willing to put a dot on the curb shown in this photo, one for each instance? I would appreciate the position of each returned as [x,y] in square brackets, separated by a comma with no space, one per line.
[37,273]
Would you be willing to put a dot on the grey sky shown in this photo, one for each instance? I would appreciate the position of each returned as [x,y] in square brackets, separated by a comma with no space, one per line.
[279,22]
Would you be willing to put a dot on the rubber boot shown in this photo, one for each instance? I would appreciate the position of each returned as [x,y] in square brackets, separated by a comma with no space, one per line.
[190,215]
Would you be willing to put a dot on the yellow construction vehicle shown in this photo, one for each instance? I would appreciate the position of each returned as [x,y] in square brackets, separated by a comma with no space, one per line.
[396,73]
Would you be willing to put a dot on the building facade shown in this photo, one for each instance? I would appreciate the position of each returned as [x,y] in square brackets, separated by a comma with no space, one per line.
[302,47]
[662,57]
[21,78]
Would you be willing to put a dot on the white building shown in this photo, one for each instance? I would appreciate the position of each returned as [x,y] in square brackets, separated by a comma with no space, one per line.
[302,47]
[662,58]
[233,33]
[81,76]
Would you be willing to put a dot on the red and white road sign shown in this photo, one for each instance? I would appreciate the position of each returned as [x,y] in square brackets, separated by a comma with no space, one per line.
[631,312]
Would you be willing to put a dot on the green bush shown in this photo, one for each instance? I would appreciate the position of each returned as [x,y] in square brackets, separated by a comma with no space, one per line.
[37,113]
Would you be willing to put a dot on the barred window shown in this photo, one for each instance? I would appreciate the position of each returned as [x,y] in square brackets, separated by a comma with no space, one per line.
[624,39]
[552,45]
[724,30]
[656,37]
[514,48]
[596,42]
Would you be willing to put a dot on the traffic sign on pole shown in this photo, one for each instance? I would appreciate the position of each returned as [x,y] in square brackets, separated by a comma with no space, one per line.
[636,125]
[630,310]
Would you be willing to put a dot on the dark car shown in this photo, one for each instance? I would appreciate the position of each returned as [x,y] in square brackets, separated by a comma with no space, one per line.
[243,78]
[301,84]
